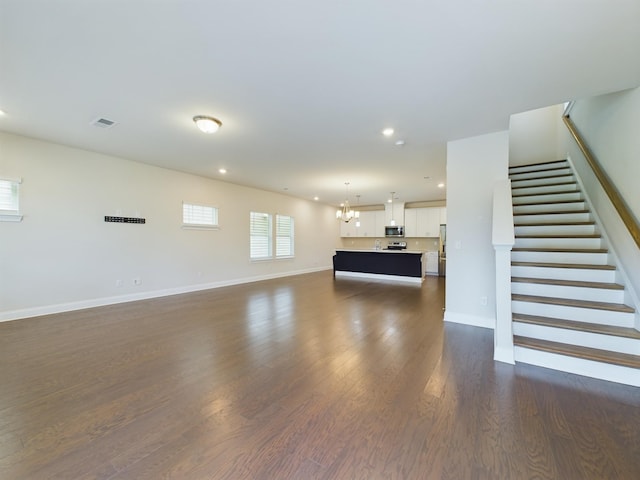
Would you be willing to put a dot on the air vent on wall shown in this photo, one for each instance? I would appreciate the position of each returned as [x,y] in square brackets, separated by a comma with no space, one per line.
[103,122]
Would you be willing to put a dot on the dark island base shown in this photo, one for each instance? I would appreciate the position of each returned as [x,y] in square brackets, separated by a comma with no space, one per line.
[405,266]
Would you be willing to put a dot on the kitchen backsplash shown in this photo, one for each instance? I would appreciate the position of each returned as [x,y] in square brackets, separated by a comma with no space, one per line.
[425,244]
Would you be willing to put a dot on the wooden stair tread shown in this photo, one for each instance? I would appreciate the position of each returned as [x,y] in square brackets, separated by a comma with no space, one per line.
[543,177]
[578,326]
[563,192]
[539,170]
[545,185]
[561,250]
[564,265]
[556,212]
[539,164]
[594,354]
[555,202]
[568,283]
[557,224]
[569,302]
[587,235]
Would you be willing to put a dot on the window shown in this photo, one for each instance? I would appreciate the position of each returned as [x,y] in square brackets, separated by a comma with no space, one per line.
[199,216]
[284,236]
[260,233]
[10,200]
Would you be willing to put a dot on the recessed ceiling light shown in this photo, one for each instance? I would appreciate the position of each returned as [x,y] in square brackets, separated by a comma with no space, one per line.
[222,170]
[387,132]
[207,124]
[441,185]
[316,198]
[2,114]
[399,143]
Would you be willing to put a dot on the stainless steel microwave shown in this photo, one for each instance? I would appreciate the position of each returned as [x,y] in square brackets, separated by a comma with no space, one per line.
[394,231]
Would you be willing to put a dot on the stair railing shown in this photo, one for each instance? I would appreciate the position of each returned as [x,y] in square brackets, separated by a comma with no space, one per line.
[503,239]
[610,189]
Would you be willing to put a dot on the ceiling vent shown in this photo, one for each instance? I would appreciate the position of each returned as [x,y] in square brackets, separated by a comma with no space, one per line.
[103,123]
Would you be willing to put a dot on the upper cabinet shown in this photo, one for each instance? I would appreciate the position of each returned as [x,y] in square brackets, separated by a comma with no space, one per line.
[372,224]
[348,229]
[424,221]
[394,211]
[418,222]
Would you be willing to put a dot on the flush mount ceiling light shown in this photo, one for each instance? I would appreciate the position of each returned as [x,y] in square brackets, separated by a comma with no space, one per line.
[346,213]
[207,124]
[387,132]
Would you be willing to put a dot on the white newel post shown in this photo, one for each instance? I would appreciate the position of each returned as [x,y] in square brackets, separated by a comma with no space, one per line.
[503,240]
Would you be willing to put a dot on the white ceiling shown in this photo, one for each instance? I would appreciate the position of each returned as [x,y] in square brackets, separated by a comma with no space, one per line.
[303,88]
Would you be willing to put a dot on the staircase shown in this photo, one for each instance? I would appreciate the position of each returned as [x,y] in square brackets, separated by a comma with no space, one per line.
[569,313]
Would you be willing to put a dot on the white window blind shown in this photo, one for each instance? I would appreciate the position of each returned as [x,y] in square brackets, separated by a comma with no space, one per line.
[10,200]
[284,236]
[199,215]
[260,235]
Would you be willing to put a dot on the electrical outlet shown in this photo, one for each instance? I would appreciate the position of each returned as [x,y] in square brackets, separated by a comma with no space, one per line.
[137,281]
[483,301]
[118,283]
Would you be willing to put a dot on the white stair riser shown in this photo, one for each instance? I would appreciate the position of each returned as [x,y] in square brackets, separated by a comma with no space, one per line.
[563,291]
[560,257]
[591,315]
[577,337]
[576,274]
[538,167]
[550,197]
[540,173]
[549,207]
[587,368]
[556,230]
[558,243]
[544,189]
[551,218]
[537,182]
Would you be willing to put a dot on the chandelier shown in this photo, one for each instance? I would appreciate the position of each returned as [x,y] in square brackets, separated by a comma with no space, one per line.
[346,213]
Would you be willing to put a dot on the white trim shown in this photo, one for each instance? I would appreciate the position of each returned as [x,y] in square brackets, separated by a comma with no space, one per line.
[101,302]
[198,226]
[379,276]
[10,217]
[472,320]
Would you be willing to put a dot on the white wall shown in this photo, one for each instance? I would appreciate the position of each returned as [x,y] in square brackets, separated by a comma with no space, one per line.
[474,165]
[64,256]
[609,125]
[533,136]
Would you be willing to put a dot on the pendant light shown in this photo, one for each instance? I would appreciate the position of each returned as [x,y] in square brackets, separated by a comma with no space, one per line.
[345,214]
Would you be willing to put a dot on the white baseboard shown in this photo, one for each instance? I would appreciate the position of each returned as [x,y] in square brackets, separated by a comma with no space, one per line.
[466,319]
[101,302]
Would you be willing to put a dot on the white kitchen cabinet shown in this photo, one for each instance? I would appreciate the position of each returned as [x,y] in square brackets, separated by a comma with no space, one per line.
[367,225]
[394,212]
[411,222]
[432,263]
[423,221]
[371,225]
[348,229]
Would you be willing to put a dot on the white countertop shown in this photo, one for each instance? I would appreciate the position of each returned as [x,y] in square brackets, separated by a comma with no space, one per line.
[373,250]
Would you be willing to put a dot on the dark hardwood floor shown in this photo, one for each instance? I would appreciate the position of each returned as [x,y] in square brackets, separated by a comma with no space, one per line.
[299,378]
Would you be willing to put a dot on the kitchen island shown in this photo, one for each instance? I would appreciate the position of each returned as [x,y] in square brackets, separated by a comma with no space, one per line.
[398,265]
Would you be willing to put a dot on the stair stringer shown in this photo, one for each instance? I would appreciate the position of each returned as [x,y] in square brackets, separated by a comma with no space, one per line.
[631,296]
